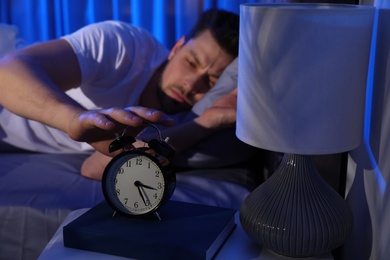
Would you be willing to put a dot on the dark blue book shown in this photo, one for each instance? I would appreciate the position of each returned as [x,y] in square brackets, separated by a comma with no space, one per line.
[185,231]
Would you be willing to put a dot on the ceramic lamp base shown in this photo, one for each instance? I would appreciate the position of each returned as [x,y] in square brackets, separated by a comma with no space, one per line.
[295,212]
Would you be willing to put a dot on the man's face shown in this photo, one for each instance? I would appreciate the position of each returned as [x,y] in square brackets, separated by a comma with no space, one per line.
[192,70]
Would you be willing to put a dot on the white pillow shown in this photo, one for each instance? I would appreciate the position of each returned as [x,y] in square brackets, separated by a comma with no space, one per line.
[226,83]
[8,38]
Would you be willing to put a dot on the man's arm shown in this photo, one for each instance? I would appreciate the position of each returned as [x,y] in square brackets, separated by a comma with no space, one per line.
[219,116]
[32,85]
[33,81]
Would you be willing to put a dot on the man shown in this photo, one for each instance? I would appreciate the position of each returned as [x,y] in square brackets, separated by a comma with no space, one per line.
[105,67]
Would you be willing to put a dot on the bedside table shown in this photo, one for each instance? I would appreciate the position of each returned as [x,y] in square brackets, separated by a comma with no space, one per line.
[238,246]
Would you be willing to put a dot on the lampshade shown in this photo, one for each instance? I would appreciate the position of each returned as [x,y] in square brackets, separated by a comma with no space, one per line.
[302,76]
[302,72]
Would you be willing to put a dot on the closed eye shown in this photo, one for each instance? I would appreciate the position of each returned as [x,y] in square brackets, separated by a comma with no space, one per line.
[191,63]
[212,81]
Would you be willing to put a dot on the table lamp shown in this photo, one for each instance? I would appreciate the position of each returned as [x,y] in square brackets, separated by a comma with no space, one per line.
[302,73]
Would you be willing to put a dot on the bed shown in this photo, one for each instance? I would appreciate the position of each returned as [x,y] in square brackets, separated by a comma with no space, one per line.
[38,190]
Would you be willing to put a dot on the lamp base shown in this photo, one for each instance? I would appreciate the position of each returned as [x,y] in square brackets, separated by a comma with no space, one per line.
[295,212]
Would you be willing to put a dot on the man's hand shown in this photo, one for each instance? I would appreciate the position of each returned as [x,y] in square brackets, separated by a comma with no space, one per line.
[221,114]
[98,127]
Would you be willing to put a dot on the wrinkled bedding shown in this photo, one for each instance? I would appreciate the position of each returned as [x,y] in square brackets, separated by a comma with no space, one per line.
[37,191]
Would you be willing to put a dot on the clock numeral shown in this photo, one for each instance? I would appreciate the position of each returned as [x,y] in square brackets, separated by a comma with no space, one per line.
[138,161]
[118,192]
[136,204]
[126,200]
[155,196]
[128,163]
[148,165]
[147,203]
[159,185]
[157,173]
[121,171]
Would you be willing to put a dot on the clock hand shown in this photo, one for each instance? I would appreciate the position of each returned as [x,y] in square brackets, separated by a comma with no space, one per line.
[138,183]
[142,195]
[146,197]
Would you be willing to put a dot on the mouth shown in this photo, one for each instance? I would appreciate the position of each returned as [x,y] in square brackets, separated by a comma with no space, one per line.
[179,97]
[172,104]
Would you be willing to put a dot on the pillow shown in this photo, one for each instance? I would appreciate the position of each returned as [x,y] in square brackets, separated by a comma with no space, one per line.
[8,38]
[226,83]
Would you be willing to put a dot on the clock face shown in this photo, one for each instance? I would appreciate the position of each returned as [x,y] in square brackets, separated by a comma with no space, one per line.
[133,183]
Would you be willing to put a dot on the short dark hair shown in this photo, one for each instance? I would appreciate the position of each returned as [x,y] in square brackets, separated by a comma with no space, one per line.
[223,25]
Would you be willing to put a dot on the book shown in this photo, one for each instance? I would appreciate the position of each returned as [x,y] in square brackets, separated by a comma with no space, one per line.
[185,231]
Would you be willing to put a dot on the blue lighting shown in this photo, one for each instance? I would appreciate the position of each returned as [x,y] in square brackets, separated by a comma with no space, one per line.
[381,182]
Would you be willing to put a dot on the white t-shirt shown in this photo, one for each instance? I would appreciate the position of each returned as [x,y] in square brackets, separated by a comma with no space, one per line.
[116,60]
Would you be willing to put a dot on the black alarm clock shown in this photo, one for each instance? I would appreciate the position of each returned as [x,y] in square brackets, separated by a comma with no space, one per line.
[139,181]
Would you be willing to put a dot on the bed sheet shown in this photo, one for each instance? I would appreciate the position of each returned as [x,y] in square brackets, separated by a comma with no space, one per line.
[37,191]
[45,181]
[24,231]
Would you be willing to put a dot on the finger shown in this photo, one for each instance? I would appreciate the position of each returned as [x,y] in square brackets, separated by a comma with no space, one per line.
[92,119]
[122,116]
[151,115]
[101,121]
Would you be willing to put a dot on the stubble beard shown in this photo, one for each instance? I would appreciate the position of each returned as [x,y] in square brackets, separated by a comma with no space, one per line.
[169,105]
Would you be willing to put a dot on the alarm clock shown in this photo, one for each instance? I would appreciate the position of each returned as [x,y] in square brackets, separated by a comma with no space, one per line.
[139,181]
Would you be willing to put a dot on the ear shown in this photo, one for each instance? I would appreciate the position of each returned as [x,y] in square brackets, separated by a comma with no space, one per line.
[176,47]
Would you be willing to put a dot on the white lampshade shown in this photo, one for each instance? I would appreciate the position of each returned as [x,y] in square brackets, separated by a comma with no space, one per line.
[302,76]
